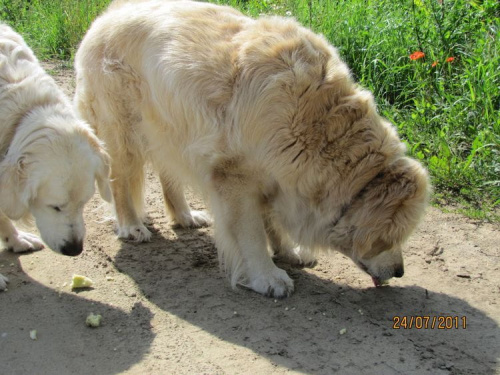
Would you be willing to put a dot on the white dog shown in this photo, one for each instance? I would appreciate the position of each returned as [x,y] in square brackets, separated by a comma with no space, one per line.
[262,116]
[50,159]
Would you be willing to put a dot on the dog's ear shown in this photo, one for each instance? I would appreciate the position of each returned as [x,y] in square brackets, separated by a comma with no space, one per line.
[14,198]
[103,163]
[103,167]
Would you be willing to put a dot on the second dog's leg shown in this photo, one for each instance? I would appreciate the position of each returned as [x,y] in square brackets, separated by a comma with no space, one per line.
[15,240]
[241,237]
[284,248]
[127,186]
[176,204]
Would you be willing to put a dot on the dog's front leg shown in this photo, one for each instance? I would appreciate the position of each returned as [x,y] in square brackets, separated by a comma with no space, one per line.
[241,237]
[3,282]
[15,240]
[283,247]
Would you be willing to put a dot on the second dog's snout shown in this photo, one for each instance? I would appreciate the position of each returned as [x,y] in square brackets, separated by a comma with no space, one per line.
[73,248]
[399,271]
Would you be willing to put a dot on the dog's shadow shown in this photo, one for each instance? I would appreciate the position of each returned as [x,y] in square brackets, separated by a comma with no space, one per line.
[323,327]
[63,341]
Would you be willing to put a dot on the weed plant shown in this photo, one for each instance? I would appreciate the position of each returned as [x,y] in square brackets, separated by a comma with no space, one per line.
[53,28]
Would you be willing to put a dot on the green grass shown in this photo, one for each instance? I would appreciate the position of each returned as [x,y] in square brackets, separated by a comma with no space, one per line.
[448,114]
[53,28]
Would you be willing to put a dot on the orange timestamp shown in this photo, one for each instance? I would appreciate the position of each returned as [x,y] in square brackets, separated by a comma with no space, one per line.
[429,322]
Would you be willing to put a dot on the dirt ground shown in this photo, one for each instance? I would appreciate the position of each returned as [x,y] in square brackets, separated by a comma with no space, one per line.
[168,309]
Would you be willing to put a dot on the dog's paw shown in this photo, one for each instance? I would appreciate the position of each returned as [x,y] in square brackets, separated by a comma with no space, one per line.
[24,242]
[276,284]
[136,233]
[3,282]
[298,257]
[194,219]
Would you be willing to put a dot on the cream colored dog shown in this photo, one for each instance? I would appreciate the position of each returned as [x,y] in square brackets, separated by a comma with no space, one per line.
[50,159]
[263,117]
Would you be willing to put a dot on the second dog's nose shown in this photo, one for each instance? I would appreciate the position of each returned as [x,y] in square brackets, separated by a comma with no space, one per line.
[399,271]
[73,248]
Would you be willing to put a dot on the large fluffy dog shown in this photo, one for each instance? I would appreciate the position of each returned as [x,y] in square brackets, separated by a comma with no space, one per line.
[265,119]
[49,160]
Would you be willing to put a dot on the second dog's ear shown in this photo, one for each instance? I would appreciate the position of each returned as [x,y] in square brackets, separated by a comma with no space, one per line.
[102,168]
[13,200]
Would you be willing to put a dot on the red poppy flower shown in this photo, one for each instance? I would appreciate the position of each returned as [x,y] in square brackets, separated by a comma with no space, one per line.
[450,59]
[434,64]
[417,55]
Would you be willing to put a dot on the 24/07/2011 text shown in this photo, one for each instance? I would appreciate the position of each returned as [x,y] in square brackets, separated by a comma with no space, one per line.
[429,322]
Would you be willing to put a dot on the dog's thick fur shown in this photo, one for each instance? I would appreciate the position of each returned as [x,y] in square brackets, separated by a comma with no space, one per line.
[262,116]
[50,159]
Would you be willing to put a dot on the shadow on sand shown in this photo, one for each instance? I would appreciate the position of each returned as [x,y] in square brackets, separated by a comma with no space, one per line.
[301,333]
[65,344]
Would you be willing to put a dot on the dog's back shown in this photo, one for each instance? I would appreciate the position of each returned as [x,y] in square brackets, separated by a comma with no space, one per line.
[17,61]
[20,72]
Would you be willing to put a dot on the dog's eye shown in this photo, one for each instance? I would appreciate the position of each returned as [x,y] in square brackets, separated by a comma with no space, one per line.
[56,208]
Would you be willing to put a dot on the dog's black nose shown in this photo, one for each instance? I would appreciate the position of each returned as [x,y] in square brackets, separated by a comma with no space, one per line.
[399,271]
[73,248]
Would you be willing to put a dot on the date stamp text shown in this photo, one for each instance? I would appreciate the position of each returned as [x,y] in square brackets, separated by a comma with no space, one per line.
[429,322]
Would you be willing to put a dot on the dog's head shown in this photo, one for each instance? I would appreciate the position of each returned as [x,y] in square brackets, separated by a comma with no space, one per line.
[373,228]
[51,175]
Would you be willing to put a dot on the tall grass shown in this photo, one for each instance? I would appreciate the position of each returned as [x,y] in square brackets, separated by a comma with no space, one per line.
[53,28]
[446,104]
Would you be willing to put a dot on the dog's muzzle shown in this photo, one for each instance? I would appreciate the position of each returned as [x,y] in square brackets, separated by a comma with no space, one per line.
[73,248]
